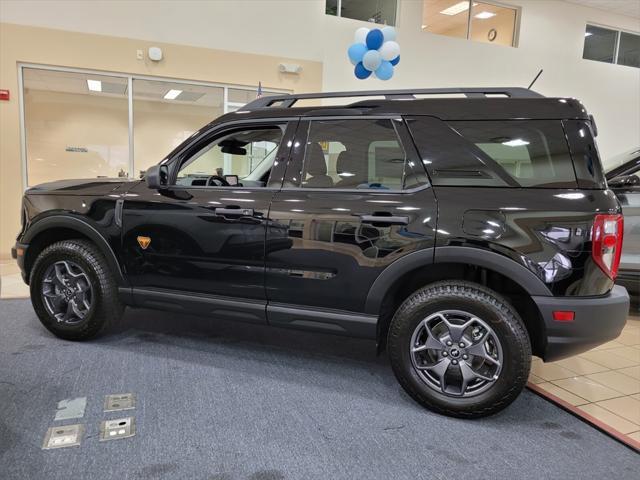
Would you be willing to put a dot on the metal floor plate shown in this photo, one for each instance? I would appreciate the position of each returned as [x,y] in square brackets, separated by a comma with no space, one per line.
[118,428]
[119,401]
[71,408]
[63,436]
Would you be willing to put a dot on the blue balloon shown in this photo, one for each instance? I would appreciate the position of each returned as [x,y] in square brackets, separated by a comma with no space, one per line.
[375,39]
[361,72]
[395,61]
[356,52]
[385,70]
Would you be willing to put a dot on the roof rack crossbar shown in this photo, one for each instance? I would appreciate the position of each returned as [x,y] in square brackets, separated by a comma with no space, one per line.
[287,101]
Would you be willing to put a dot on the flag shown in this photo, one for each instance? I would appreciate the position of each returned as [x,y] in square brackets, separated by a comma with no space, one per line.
[259,92]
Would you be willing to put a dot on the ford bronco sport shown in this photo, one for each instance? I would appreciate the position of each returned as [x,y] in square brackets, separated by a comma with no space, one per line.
[462,234]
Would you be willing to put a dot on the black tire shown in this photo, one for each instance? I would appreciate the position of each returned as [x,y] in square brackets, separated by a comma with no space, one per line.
[479,301]
[105,308]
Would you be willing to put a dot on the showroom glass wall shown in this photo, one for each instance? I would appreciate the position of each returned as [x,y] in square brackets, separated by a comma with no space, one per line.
[84,124]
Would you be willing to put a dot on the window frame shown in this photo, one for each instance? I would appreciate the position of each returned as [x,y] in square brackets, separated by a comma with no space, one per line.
[297,156]
[339,8]
[515,40]
[616,52]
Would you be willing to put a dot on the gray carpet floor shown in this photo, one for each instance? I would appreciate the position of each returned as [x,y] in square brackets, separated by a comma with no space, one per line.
[226,401]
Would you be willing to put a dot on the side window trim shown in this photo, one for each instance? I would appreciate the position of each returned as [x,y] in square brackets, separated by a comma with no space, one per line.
[288,124]
[296,158]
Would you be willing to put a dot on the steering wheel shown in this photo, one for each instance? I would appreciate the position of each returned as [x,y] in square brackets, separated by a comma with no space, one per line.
[217,181]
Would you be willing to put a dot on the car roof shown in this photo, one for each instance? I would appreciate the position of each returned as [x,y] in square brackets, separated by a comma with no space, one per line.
[443,108]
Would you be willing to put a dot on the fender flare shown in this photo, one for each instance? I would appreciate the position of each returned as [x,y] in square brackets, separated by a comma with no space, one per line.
[466,255]
[80,226]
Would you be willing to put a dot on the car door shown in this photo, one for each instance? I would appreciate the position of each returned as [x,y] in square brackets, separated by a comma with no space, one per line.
[355,199]
[199,244]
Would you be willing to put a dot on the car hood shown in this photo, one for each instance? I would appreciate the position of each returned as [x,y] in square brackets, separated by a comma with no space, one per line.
[90,186]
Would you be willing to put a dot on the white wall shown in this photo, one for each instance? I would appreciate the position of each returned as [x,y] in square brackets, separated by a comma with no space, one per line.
[551,37]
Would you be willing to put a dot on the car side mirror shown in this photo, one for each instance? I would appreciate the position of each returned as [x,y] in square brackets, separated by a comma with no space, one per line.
[624,181]
[157,177]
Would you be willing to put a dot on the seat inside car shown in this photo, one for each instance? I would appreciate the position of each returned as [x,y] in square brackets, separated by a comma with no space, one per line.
[317,168]
[351,169]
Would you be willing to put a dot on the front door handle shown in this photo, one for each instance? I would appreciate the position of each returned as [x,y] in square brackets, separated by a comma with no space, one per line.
[234,212]
[384,219]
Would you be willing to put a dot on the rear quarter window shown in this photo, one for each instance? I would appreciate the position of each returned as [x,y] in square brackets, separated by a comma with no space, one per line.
[510,153]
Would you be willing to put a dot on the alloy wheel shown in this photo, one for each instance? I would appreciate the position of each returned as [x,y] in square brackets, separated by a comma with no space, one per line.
[67,292]
[456,353]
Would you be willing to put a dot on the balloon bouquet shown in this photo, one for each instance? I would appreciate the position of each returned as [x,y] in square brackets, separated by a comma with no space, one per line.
[375,51]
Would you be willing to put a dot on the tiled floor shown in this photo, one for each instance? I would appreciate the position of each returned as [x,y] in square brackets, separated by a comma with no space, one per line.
[604,382]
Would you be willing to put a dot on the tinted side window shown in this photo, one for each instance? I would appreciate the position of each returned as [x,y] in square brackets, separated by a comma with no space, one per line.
[584,151]
[510,153]
[353,154]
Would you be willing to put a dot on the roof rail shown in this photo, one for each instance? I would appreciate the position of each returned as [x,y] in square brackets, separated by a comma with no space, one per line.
[287,101]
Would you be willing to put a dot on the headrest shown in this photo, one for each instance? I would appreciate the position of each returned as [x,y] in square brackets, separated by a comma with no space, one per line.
[350,164]
[316,164]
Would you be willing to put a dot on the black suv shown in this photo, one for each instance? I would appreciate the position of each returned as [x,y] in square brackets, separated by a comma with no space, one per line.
[462,234]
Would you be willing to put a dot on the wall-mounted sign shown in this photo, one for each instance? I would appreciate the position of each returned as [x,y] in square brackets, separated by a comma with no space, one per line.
[5,95]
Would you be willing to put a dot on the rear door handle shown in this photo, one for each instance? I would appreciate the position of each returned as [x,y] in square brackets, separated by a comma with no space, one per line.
[386,219]
[234,212]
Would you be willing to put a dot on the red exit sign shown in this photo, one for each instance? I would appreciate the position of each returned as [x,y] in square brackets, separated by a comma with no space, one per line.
[4,95]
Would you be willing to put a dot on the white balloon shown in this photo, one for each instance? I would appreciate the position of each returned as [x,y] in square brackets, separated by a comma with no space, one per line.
[371,60]
[389,34]
[389,50]
[361,35]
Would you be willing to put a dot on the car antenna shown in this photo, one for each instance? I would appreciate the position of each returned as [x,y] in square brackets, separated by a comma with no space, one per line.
[535,79]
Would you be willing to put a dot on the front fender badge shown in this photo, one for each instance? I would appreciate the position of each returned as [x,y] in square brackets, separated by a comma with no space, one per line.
[144,242]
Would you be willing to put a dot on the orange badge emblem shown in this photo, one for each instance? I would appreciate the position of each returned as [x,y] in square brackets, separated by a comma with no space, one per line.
[144,242]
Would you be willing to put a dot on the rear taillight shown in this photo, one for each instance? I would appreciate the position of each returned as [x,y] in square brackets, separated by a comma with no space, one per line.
[606,243]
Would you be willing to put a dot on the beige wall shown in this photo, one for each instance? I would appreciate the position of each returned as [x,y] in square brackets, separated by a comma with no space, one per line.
[115,54]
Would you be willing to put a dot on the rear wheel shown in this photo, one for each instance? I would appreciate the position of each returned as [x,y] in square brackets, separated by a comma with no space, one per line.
[459,349]
[73,291]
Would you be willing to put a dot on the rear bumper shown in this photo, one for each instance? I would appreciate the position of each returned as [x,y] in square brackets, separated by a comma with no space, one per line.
[597,320]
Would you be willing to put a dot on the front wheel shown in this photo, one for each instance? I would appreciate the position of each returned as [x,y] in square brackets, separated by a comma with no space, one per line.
[459,349]
[73,291]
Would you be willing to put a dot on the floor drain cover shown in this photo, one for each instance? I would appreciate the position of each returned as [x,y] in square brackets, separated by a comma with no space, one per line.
[119,401]
[63,436]
[119,428]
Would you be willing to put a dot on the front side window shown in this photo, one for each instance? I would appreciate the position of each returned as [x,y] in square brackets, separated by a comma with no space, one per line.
[353,154]
[242,158]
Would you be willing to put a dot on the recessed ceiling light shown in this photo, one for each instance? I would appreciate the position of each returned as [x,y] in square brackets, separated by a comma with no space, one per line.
[94,85]
[172,94]
[517,142]
[485,15]
[456,8]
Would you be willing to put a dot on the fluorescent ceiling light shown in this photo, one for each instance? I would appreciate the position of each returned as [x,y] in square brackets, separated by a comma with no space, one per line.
[587,34]
[517,142]
[172,94]
[94,85]
[456,8]
[485,15]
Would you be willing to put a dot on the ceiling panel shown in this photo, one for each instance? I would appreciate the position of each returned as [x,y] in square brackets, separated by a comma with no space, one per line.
[630,8]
